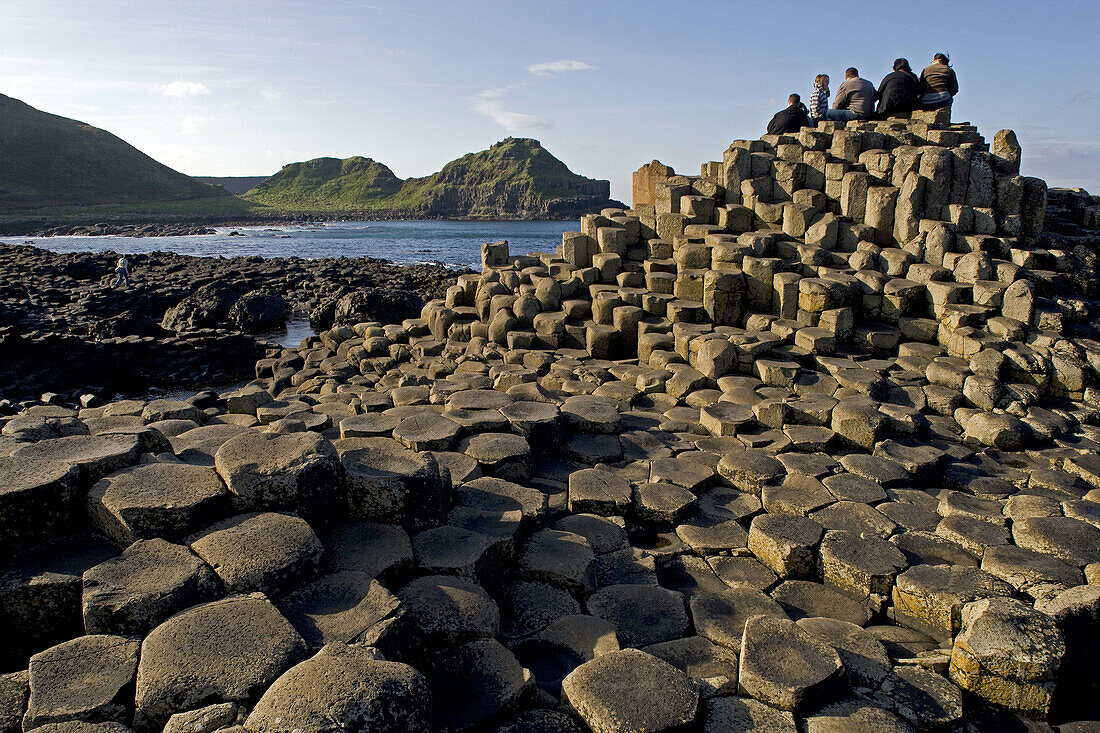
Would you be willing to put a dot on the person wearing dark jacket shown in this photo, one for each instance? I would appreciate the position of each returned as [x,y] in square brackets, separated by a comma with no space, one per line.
[790,120]
[899,91]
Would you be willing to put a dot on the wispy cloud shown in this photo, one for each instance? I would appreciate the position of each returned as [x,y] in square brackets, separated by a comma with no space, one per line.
[271,94]
[491,104]
[560,66]
[181,88]
[191,124]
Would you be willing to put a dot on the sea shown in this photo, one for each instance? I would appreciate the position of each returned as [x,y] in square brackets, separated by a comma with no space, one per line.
[455,244]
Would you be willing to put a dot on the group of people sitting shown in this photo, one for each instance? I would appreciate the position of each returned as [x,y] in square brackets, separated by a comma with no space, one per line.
[900,91]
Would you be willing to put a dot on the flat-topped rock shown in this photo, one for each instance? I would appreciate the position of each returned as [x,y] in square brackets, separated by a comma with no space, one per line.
[198,446]
[150,581]
[641,614]
[163,500]
[503,455]
[348,688]
[631,690]
[271,471]
[37,499]
[721,616]
[441,610]
[863,656]
[380,550]
[930,598]
[729,713]
[449,550]
[528,607]
[427,432]
[595,491]
[1008,654]
[267,552]
[559,558]
[95,455]
[787,667]
[714,668]
[343,607]
[1066,538]
[225,651]
[786,543]
[390,484]
[87,678]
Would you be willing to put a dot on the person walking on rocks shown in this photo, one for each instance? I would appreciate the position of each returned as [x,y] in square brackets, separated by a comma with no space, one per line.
[819,99]
[122,271]
[938,84]
[855,99]
[790,120]
[898,92]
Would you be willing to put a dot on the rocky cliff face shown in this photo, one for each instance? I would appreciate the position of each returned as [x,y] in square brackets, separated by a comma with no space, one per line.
[514,179]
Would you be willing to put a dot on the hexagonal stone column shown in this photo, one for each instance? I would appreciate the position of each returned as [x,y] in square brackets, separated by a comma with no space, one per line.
[151,580]
[270,471]
[268,552]
[787,667]
[225,651]
[631,690]
[87,679]
[388,483]
[1008,654]
[166,500]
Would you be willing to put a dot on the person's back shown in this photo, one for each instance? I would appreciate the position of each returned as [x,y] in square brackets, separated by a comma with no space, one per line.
[790,120]
[899,90]
[855,98]
[938,83]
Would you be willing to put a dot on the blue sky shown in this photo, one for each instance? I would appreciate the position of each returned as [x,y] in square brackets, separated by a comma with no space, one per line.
[242,87]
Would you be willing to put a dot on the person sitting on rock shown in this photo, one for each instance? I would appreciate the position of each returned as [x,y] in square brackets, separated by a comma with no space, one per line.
[122,270]
[938,84]
[790,120]
[855,99]
[899,91]
[819,99]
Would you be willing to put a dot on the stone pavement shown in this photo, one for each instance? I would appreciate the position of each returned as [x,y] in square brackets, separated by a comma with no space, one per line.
[805,442]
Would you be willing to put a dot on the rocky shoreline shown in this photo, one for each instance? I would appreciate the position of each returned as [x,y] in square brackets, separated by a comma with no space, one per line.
[65,331]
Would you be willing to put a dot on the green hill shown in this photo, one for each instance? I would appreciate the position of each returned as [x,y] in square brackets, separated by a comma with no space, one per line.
[52,161]
[515,178]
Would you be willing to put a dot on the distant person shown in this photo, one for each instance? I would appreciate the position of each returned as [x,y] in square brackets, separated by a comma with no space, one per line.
[790,120]
[938,84]
[122,270]
[855,99]
[899,91]
[819,99]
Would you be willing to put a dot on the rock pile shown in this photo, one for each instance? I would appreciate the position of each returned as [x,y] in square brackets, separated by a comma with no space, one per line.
[806,442]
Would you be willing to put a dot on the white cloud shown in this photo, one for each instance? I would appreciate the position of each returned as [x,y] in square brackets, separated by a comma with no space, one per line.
[181,88]
[557,67]
[191,124]
[491,104]
[271,94]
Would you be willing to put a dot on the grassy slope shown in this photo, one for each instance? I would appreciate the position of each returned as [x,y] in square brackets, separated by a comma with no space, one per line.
[52,161]
[328,184]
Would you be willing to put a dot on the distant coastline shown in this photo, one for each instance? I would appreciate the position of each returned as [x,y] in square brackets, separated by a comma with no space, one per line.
[153,225]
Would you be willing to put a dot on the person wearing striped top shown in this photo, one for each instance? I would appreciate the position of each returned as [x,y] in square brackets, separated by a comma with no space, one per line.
[819,99]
